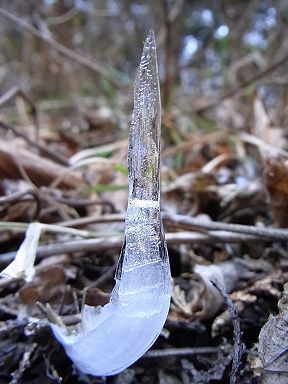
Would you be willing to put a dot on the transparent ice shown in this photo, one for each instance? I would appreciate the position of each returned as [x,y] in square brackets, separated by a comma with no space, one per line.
[111,338]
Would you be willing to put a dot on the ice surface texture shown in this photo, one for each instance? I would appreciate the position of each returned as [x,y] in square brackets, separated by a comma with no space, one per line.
[111,338]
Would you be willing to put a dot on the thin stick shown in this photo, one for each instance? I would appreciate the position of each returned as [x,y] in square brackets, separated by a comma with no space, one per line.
[76,202]
[181,352]
[264,233]
[18,197]
[237,335]
[53,228]
[218,230]
[113,218]
[94,67]
[115,242]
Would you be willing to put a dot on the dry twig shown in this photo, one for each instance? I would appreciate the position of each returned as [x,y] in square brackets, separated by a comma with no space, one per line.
[190,222]
[238,346]
[181,352]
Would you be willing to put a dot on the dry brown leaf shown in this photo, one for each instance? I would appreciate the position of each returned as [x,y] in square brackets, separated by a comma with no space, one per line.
[94,297]
[273,345]
[195,297]
[275,172]
[245,298]
[47,285]
[192,298]
[190,193]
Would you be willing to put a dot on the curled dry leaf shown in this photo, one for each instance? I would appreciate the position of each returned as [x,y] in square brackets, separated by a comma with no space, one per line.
[193,189]
[273,345]
[195,297]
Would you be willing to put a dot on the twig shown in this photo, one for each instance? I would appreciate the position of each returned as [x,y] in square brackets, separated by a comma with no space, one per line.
[237,335]
[115,242]
[56,20]
[190,222]
[17,197]
[40,170]
[100,244]
[83,221]
[84,202]
[219,231]
[257,142]
[181,352]
[53,228]
[94,67]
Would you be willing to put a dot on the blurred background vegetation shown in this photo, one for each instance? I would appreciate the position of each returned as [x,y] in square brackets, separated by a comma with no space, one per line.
[223,69]
[206,50]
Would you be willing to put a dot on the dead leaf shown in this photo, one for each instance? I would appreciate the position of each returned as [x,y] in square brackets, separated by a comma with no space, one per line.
[47,285]
[275,173]
[273,345]
[248,297]
[195,298]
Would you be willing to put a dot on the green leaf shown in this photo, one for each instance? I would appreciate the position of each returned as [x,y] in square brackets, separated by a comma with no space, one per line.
[108,188]
[121,169]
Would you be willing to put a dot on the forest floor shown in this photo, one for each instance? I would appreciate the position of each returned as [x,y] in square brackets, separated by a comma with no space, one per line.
[224,204]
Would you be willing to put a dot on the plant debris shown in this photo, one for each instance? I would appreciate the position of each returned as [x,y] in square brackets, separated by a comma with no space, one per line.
[65,101]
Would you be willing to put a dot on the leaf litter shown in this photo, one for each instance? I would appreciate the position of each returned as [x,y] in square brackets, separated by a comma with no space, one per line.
[223,176]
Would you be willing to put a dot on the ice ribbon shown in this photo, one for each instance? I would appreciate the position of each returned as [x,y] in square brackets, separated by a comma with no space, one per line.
[111,338]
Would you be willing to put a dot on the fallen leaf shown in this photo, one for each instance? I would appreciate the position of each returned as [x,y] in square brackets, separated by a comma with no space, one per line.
[47,285]
[273,345]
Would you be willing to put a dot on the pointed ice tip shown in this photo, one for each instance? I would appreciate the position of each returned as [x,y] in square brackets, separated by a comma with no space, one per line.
[151,35]
[150,39]
[149,50]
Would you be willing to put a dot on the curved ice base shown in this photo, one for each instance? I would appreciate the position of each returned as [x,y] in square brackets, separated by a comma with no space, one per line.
[124,336]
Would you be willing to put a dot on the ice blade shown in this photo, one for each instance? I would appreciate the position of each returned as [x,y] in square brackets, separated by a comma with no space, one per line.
[111,338]
[144,137]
